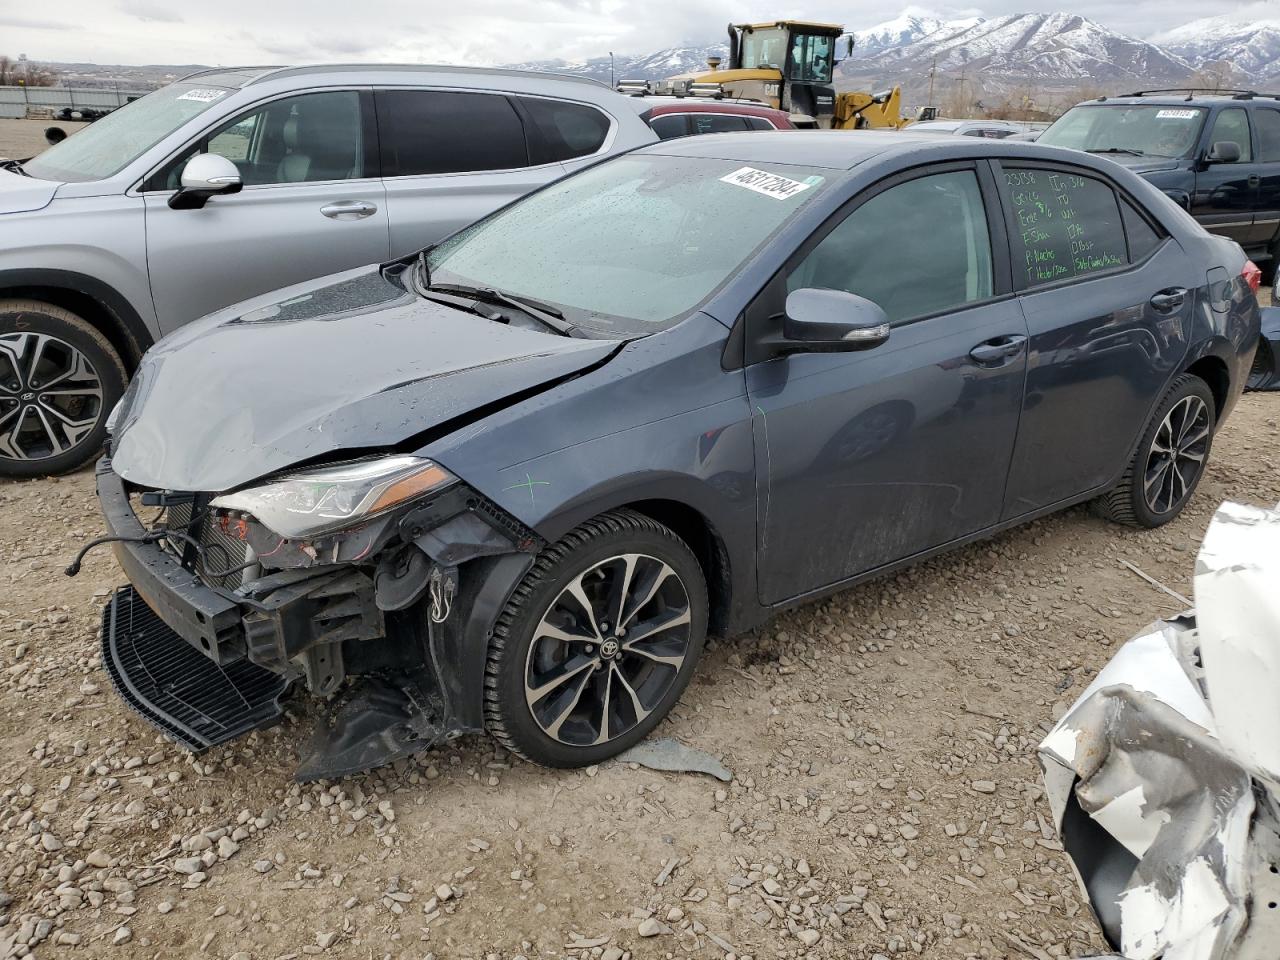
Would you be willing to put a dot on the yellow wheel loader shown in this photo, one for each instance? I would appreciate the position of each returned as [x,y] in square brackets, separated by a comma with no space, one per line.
[786,64]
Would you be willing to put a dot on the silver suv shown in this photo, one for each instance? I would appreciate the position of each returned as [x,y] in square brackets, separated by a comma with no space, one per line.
[235,182]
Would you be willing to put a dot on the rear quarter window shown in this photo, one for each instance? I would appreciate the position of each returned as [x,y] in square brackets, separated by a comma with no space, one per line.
[563,131]
[1066,225]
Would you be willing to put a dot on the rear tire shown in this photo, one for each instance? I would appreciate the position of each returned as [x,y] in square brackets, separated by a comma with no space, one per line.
[1262,374]
[59,379]
[567,684]
[1170,458]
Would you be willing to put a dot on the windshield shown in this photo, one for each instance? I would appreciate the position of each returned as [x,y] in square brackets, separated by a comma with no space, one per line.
[108,145]
[764,48]
[1146,130]
[630,245]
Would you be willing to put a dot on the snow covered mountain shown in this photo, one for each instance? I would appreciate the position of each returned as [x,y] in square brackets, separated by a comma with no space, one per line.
[910,26]
[1048,48]
[1045,51]
[647,66]
[1252,47]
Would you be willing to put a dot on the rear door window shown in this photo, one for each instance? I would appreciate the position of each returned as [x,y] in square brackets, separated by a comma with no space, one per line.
[1268,122]
[759,123]
[441,131]
[1065,225]
[558,130]
[717,123]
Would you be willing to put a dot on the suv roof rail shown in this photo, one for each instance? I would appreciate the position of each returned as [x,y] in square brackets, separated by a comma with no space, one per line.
[302,70]
[1236,94]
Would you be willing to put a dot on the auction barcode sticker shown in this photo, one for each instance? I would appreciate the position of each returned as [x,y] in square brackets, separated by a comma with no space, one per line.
[204,96]
[761,181]
[1176,114]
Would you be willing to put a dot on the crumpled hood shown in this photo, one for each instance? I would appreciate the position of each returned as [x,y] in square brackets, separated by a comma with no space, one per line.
[348,362]
[19,194]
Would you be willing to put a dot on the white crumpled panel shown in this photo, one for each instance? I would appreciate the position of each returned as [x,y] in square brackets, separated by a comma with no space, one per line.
[1166,756]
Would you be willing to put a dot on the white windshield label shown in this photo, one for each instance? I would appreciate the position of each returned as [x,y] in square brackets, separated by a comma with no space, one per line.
[761,181]
[204,96]
[1176,114]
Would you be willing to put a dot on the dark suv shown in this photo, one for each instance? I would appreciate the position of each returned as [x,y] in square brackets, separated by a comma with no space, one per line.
[1218,155]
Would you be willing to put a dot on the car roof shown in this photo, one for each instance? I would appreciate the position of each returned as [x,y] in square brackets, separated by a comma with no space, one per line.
[657,106]
[247,76]
[846,149]
[1179,99]
[835,149]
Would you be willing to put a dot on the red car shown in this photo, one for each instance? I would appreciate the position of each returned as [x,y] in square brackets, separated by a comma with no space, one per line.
[672,117]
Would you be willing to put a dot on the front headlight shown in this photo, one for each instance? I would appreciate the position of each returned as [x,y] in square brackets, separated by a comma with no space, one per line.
[315,501]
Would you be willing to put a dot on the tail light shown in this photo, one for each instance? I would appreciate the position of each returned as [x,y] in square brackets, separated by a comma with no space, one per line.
[1252,275]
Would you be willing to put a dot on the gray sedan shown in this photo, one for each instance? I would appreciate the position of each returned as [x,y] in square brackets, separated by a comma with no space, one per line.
[511,483]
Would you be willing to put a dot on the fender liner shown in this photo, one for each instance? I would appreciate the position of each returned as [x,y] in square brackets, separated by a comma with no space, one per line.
[137,336]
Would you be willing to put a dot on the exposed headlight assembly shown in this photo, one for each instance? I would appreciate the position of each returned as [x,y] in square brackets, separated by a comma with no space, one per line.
[311,502]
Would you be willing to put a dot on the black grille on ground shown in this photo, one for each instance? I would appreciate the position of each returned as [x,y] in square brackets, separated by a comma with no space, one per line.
[175,687]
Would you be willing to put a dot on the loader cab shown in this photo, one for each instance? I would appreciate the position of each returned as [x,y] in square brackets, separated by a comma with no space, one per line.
[804,56]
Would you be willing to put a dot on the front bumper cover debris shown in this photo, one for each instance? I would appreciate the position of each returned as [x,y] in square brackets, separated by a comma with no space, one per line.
[398,639]
[176,688]
[1164,777]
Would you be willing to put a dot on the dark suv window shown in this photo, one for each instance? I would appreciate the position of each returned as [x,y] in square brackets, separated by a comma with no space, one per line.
[1232,125]
[433,131]
[1268,122]
[562,131]
[1065,225]
[935,227]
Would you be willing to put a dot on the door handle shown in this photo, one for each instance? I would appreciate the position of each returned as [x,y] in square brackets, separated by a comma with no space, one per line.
[349,210]
[1166,301]
[991,352]
[1254,180]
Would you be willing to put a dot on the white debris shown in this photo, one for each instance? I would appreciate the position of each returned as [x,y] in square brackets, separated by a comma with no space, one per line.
[1166,751]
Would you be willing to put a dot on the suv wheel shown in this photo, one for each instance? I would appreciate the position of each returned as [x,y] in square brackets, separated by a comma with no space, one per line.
[1170,458]
[59,379]
[597,643]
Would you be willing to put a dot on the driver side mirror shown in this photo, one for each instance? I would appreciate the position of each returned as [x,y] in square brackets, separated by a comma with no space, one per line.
[1224,151]
[205,175]
[831,321]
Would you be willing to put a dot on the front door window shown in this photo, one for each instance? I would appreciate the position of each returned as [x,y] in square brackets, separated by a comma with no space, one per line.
[811,58]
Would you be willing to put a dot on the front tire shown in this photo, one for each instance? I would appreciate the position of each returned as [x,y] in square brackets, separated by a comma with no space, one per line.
[59,379]
[1170,458]
[597,643]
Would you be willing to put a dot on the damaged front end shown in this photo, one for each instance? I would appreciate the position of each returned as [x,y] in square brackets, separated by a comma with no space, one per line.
[371,583]
[1164,777]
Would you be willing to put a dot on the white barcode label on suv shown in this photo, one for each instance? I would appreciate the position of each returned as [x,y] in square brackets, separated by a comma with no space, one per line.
[1176,114]
[761,181]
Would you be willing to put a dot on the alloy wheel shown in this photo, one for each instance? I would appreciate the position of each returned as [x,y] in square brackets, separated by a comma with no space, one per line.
[51,397]
[607,650]
[1177,455]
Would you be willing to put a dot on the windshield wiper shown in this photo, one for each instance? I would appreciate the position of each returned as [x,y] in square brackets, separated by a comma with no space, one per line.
[1130,151]
[544,313]
[13,166]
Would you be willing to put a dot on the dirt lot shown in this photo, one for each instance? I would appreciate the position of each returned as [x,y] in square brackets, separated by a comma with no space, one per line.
[885,799]
[25,138]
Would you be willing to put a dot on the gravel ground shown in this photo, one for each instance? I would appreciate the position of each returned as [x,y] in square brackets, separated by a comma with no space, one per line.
[25,138]
[886,799]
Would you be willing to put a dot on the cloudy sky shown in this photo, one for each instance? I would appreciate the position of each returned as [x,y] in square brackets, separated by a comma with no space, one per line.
[470,31]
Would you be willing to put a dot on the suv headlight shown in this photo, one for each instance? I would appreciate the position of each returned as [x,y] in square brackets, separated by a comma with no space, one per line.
[310,502]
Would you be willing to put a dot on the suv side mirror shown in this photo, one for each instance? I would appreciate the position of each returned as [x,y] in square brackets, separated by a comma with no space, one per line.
[831,321]
[1224,151]
[205,175]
